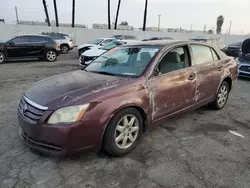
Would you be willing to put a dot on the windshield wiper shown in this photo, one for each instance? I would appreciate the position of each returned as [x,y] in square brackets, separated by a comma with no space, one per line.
[105,73]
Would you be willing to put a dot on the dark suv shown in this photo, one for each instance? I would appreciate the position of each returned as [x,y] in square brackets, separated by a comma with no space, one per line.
[29,46]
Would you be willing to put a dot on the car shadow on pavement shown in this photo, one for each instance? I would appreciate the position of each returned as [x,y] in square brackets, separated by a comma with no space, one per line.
[24,61]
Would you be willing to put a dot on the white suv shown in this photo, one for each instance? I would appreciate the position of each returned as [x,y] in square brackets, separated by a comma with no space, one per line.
[96,43]
[65,42]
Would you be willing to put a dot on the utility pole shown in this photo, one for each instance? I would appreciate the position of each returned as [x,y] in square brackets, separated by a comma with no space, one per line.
[16,14]
[205,27]
[109,22]
[56,15]
[191,27]
[117,13]
[230,25]
[159,22]
[73,13]
[46,12]
[145,15]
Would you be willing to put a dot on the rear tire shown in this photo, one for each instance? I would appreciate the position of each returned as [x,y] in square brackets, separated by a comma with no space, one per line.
[123,132]
[64,49]
[2,57]
[50,55]
[221,97]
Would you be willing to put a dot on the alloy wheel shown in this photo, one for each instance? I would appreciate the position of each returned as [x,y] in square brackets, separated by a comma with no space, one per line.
[65,49]
[126,131]
[1,58]
[51,55]
[222,95]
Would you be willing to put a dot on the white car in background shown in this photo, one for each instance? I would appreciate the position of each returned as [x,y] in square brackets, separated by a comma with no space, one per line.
[89,55]
[212,40]
[94,44]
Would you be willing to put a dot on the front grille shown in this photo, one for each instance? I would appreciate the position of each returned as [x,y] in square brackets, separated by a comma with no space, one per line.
[29,140]
[245,68]
[241,74]
[86,58]
[29,112]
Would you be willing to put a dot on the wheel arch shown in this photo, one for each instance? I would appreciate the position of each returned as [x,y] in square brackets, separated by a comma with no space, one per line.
[229,81]
[138,108]
[64,44]
[3,53]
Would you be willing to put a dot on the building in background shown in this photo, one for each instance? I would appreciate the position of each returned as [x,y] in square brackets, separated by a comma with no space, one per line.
[119,27]
[53,24]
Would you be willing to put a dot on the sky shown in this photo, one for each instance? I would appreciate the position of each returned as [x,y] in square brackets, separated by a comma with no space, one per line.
[174,13]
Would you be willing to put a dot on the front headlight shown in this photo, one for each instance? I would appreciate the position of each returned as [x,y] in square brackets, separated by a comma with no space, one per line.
[68,114]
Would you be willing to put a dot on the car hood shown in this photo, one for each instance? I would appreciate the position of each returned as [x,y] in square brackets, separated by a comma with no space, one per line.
[73,85]
[93,52]
[86,45]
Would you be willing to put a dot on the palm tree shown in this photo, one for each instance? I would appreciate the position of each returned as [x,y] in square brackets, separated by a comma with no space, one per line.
[117,13]
[73,13]
[56,15]
[46,12]
[109,24]
[219,23]
[145,15]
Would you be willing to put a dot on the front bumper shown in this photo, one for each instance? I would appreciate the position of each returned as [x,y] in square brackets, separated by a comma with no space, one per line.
[60,139]
[244,70]
[244,74]
[83,62]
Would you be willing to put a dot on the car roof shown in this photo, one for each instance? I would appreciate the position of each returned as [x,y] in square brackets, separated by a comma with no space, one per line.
[128,40]
[164,43]
[206,37]
[105,38]
[30,35]
[160,42]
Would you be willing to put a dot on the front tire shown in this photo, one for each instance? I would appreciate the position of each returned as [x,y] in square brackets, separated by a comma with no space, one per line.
[2,57]
[51,55]
[123,132]
[221,97]
[64,49]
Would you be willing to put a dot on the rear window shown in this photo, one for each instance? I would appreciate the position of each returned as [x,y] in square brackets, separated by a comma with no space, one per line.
[202,54]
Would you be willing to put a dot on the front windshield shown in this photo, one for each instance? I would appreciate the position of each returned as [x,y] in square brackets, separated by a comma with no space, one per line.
[111,45]
[97,41]
[124,61]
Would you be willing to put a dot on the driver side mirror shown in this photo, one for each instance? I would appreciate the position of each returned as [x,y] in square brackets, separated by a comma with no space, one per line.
[11,43]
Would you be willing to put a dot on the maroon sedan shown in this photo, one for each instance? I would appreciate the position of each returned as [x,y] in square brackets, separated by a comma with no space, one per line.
[121,94]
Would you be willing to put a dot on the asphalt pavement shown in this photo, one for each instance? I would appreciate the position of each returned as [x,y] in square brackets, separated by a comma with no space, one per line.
[194,150]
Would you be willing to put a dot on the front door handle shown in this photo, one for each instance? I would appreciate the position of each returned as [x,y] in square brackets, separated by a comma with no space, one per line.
[219,68]
[191,77]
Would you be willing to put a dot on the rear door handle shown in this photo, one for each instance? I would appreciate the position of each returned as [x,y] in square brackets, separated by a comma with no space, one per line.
[191,77]
[220,69]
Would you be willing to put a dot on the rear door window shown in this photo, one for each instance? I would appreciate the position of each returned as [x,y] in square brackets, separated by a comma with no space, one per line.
[202,54]
[36,39]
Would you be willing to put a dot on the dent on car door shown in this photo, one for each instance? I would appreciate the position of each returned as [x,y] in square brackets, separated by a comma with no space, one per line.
[173,88]
[208,70]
